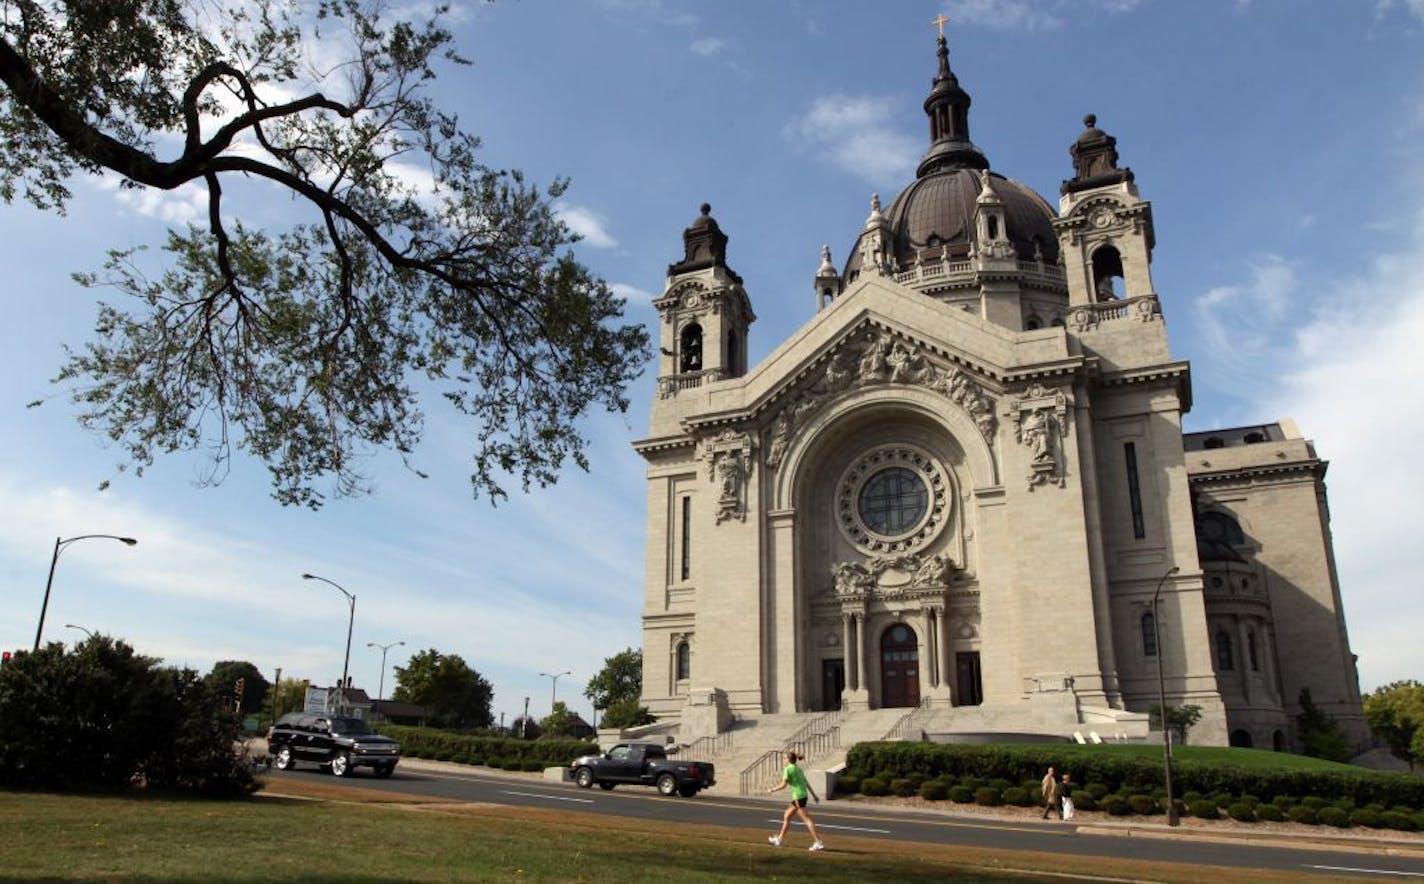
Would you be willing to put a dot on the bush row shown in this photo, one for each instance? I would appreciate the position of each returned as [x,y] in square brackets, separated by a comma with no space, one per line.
[506,753]
[1127,774]
[1341,813]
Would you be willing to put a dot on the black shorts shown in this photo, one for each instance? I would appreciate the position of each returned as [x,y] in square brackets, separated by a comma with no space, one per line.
[798,802]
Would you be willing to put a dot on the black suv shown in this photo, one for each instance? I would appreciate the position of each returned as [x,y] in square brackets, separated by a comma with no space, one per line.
[331,741]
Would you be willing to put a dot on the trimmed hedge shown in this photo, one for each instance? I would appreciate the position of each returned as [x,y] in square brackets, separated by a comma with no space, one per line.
[506,753]
[934,790]
[1205,809]
[1120,771]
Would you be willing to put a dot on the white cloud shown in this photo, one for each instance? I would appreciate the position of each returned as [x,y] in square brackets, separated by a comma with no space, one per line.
[1239,322]
[708,46]
[1032,15]
[654,10]
[856,134]
[587,224]
[1415,7]
[1351,348]
[632,294]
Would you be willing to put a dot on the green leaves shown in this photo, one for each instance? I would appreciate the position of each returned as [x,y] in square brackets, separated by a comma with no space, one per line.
[406,257]
[456,695]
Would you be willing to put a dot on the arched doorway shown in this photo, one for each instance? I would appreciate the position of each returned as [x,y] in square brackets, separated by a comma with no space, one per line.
[899,667]
[1241,739]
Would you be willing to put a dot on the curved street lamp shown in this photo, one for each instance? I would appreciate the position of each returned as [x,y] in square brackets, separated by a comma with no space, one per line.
[88,632]
[381,691]
[554,686]
[1162,702]
[59,544]
[346,665]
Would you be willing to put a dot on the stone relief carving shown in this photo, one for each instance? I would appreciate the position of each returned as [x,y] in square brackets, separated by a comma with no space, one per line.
[890,575]
[1040,424]
[878,357]
[729,464]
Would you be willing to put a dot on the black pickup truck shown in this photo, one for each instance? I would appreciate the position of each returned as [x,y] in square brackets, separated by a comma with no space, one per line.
[643,764]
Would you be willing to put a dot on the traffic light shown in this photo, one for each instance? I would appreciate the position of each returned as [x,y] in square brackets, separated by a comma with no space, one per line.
[4,658]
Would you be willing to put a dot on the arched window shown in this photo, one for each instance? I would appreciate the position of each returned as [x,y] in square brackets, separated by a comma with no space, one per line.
[1107,274]
[684,661]
[1251,651]
[1033,323]
[1214,442]
[733,365]
[1241,738]
[1253,438]
[1149,635]
[1278,742]
[993,226]
[1225,660]
[691,348]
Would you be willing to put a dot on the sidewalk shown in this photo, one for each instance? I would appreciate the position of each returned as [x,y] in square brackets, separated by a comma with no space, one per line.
[1382,842]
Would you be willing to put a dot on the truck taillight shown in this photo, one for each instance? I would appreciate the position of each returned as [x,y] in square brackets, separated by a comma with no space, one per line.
[692,770]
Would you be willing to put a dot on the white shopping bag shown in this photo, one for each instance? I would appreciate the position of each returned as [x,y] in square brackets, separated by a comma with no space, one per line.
[1067,808]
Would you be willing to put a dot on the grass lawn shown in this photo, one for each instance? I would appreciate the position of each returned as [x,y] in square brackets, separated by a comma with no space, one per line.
[344,835]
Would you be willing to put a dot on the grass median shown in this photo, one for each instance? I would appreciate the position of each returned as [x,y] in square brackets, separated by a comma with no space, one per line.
[318,831]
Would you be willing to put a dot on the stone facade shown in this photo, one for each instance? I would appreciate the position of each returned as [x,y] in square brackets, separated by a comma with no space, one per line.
[964,481]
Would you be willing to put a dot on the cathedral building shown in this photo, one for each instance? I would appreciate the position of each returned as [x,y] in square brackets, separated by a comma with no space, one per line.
[963,485]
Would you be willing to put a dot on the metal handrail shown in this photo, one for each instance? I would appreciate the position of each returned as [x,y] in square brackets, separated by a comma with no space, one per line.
[817,737]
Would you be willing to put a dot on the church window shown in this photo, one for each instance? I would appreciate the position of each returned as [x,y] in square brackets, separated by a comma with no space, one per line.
[1058,322]
[893,501]
[993,227]
[1149,635]
[1134,491]
[733,364]
[1033,323]
[1251,651]
[1253,438]
[686,537]
[1107,274]
[691,348]
[1241,738]
[1214,442]
[1224,660]
[684,661]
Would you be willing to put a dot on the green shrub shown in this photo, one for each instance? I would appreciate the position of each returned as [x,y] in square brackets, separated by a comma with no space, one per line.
[1366,817]
[934,790]
[1222,799]
[1333,816]
[1018,796]
[961,794]
[1204,808]
[1284,802]
[475,760]
[972,783]
[874,786]
[1269,813]
[1241,812]
[1115,805]
[1314,802]
[903,787]
[848,784]
[531,766]
[1393,819]
[1191,796]
[916,779]
[1099,791]
[1144,805]
[1083,800]
[1250,801]
[1418,817]
[999,783]
[988,796]
[1302,814]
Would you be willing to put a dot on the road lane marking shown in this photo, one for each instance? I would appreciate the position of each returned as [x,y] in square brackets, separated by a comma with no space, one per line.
[1367,871]
[549,797]
[777,821]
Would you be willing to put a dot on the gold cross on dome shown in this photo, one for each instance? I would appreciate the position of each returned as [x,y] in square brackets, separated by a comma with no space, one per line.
[940,20]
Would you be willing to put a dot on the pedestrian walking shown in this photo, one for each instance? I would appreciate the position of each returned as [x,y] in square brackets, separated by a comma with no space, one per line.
[1046,788]
[793,778]
[1065,798]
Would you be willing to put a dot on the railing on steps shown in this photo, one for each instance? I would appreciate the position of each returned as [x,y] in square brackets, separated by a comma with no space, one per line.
[816,737]
[707,747]
[908,722]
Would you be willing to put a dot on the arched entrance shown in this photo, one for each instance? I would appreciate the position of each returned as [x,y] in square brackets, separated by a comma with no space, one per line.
[899,667]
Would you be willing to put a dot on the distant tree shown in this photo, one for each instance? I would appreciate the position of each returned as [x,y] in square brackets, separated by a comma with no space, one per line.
[1395,713]
[1320,734]
[1181,719]
[291,695]
[559,722]
[525,727]
[103,718]
[626,713]
[620,679]
[456,695]
[222,680]
[409,262]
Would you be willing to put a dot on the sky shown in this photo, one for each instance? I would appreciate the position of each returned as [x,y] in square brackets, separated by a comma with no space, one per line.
[1281,145]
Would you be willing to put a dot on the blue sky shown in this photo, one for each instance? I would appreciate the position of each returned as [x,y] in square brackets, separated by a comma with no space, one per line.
[1281,144]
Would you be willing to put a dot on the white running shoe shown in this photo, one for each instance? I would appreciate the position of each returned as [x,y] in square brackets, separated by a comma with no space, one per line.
[817,846]
[775,840]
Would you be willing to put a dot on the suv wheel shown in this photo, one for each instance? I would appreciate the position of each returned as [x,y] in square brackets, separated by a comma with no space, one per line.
[584,778]
[667,784]
[285,761]
[384,770]
[341,764]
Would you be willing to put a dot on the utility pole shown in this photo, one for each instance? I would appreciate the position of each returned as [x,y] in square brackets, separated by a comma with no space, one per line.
[276,695]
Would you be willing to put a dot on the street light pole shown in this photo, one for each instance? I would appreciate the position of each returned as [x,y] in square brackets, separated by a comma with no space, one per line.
[88,632]
[381,691]
[59,545]
[554,686]
[1162,701]
[346,664]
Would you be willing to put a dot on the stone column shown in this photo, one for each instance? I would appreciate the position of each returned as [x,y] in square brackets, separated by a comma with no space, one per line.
[848,642]
[1245,658]
[932,645]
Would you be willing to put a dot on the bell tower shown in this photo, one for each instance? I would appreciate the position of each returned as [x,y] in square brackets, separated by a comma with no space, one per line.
[1105,227]
[705,313]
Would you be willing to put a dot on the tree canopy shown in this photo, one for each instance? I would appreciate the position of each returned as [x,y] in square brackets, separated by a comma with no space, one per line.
[456,695]
[1395,713]
[408,261]
[223,678]
[620,679]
